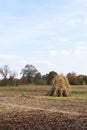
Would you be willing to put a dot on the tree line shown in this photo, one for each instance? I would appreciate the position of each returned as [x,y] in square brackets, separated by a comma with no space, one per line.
[30,75]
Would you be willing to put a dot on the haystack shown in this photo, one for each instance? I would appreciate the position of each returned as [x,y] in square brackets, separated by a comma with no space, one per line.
[60,86]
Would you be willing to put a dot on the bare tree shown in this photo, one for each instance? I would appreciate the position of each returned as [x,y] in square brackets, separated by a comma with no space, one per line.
[13,74]
[5,71]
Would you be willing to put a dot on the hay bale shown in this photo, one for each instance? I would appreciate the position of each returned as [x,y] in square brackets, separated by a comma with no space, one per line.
[60,86]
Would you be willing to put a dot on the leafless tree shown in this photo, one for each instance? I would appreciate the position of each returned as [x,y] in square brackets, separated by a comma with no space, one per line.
[5,71]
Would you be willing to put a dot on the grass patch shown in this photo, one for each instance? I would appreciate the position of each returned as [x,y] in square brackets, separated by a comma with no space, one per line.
[32,91]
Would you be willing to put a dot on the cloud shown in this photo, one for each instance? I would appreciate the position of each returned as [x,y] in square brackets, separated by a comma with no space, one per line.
[81,1]
[77,52]
[65,52]
[6,56]
[53,52]
[63,39]
[17,63]
[85,21]
[21,29]
[81,49]
[35,34]
[44,62]
[14,61]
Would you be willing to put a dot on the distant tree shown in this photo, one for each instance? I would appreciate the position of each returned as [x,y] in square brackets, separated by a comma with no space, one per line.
[50,76]
[12,80]
[45,76]
[5,71]
[3,82]
[41,82]
[8,76]
[73,79]
[29,73]
[80,79]
[23,81]
[37,77]
[85,79]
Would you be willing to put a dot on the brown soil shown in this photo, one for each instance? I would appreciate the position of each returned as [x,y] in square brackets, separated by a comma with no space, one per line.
[42,120]
[18,113]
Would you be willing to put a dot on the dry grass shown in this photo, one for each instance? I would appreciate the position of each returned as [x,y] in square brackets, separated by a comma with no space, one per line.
[27,107]
[78,92]
[60,87]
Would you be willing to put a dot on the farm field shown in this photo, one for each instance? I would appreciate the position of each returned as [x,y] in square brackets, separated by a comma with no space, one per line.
[28,108]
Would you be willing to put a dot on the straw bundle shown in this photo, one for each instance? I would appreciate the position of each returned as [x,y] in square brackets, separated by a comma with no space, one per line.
[60,86]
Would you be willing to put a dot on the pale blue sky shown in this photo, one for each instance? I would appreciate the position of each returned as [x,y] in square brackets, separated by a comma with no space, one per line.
[49,34]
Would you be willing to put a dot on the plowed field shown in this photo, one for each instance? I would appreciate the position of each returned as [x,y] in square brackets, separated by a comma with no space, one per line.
[26,108]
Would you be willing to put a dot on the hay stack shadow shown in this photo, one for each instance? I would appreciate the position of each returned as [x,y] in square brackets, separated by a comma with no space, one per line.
[60,87]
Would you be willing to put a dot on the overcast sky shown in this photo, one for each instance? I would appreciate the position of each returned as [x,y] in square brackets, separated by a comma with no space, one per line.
[49,34]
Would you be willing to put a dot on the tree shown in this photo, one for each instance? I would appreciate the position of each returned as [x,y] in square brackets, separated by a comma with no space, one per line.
[85,78]
[5,71]
[11,80]
[29,73]
[37,77]
[44,78]
[50,76]
[80,79]
[8,76]
[22,81]
[73,79]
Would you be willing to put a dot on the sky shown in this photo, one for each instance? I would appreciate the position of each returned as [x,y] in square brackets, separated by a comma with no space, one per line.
[49,34]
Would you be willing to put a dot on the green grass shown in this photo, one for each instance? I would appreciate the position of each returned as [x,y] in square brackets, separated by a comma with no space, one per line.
[79,92]
[27,91]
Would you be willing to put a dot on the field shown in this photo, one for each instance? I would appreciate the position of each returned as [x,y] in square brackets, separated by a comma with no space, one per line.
[28,108]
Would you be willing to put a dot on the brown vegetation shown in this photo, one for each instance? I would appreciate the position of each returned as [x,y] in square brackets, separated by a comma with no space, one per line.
[26,108]
[42,120]
[60,86]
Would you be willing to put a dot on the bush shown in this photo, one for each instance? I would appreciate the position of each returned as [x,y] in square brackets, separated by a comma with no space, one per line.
[3,82]
[41,82]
